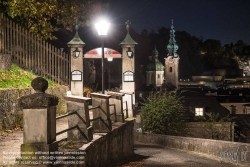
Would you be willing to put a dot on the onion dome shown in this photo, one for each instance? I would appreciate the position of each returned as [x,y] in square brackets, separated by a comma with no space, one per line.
[155,64]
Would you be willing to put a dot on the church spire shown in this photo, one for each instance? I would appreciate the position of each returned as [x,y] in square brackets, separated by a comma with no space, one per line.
[128,40]
[172,46]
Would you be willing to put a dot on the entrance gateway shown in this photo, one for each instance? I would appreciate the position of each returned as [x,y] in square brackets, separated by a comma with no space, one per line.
[128,61]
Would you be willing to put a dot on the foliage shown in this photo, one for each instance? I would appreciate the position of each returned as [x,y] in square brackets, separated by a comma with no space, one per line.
[59,91]
[216,127]
[17,78]
[40,17]
[162,113]
[89,89]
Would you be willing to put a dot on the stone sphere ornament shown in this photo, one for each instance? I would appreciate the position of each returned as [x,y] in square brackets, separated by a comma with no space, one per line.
[39,84]
[39,99]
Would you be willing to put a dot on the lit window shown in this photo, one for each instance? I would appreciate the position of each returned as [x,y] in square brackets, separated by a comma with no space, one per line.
[199,112]
[140,94]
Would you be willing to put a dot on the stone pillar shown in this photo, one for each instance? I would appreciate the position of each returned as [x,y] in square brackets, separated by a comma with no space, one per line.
[76,46]
[79,106]
[5,61]
[116,98]
[129,97]
[128,63]
[101,115]
[39,117]
[128,66]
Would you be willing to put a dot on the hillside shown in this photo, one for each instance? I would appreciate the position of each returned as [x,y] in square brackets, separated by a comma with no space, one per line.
[17,78]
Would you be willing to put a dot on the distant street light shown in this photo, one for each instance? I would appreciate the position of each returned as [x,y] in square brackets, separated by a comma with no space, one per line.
[110,58]
[76,52]
[130,52]
[102,29]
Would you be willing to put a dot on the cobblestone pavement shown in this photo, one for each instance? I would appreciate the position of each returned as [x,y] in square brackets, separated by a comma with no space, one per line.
[157,156]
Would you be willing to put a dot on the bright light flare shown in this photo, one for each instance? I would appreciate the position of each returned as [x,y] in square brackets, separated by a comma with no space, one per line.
[102,27]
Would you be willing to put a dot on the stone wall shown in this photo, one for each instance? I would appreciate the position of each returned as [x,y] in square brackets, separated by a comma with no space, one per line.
[234,152]
[114,146]
[5,61]
[10,112]
[209,130]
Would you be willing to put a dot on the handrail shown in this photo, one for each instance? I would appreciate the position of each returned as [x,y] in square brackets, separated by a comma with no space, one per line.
[95,107]
[73,127]
[95,119]
[126,109]
[100,120]
[114,111]
[71,113]
[65,115]
[65,130]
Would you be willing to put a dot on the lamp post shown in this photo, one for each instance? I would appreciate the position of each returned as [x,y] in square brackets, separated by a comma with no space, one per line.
[102,29]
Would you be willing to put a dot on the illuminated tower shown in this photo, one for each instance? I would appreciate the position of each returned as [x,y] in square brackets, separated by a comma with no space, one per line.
[172,60]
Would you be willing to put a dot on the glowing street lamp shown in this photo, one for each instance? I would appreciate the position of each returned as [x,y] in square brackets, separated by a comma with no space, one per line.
[102,29]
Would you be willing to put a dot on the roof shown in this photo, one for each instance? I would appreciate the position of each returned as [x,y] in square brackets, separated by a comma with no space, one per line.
[242,120]
[209,103]
[195,95]
[76,40]
[154,64]
[128,40]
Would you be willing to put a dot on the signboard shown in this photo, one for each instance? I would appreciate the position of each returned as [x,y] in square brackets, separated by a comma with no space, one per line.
[97,53]
[128,76]
[76,75]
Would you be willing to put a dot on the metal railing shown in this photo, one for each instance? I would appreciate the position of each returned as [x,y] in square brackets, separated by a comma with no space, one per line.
[100,118]
[73,127]
[126,108]
[114,111]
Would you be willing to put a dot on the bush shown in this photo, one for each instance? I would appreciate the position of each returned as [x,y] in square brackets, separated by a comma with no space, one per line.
[162,113]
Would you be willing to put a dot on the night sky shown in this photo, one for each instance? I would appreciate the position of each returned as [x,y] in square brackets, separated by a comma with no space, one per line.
[224,20]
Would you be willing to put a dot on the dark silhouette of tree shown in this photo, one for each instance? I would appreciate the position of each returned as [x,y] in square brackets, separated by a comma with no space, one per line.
[45,17]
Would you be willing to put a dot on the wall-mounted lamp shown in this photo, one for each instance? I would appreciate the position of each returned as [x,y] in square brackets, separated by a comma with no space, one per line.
[110,58]
[130,52]
[76,53]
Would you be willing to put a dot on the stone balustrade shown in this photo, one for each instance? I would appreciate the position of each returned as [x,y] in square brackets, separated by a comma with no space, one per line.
[101,112]
[78,109]
[117,100]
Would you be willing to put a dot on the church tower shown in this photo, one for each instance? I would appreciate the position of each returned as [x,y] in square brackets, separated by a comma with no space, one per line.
[155,70]
[172,60]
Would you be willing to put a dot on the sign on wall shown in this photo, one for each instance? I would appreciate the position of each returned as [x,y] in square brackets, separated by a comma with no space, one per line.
[97,53]
[76,75]
[128,76]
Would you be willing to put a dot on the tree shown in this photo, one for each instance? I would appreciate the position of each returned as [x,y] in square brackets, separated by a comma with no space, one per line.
[214,127]
[162,113]
[43,17]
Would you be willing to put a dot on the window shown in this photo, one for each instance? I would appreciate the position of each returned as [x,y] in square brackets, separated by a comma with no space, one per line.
[199,112]
[170,69]
[140,95]
[158,75]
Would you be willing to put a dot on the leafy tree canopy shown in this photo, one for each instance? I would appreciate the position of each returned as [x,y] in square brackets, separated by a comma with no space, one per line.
[162,113]
[43,17]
